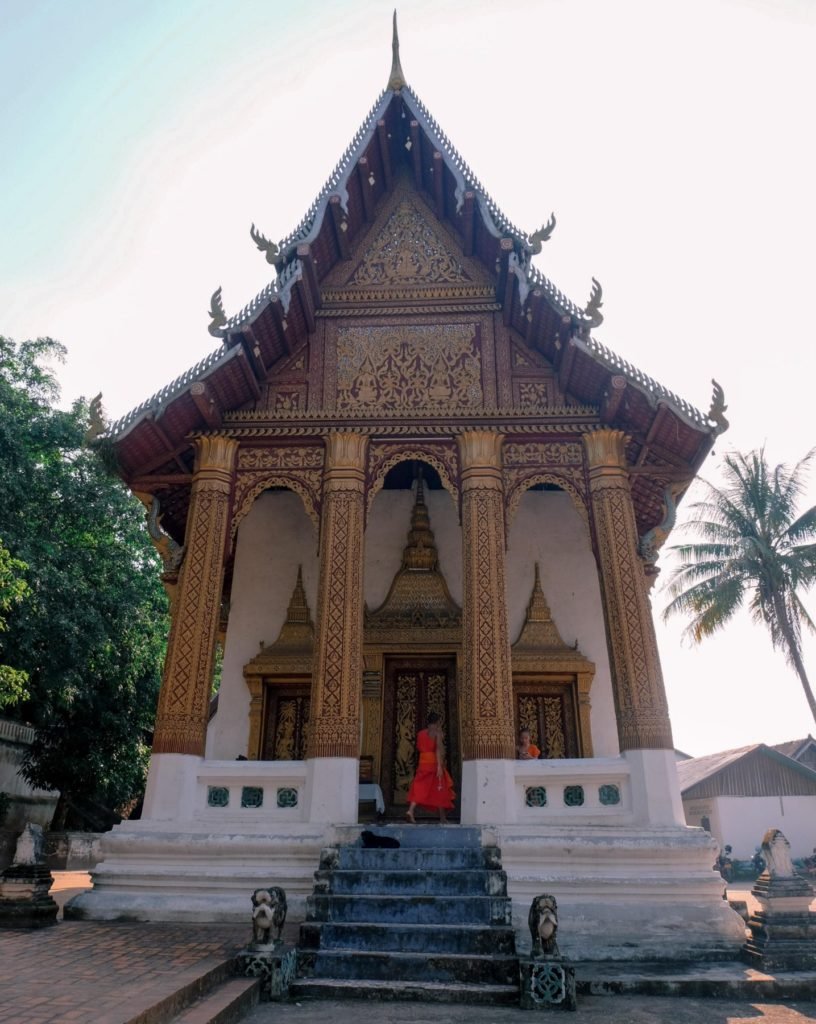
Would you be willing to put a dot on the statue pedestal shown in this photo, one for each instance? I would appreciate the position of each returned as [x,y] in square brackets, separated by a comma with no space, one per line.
[546,983]
[24,899]
[783,930]
[275,965]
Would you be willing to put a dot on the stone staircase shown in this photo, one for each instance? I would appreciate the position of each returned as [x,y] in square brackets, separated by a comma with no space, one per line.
[428,921]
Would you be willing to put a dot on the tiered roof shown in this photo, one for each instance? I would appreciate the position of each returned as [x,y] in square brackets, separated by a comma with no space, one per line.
[399,136]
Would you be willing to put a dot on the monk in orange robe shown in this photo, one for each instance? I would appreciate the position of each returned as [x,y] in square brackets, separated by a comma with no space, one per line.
[527,751]
[432,787]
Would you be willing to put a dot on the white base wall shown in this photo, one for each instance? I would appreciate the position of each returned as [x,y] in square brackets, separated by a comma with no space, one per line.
[623,893]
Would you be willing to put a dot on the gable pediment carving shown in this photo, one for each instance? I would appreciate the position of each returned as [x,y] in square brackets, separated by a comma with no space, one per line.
[408,251]
[407,255]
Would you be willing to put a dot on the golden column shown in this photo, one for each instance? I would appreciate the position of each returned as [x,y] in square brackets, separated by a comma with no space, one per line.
[184,700]
[487,690]
[640,698]
[334,721]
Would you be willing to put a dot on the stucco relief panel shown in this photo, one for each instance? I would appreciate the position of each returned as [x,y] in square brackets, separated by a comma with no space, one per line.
[408,366]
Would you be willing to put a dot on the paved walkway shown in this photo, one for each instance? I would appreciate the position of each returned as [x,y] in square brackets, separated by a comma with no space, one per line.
[109,973]
[599,1009]
[78,972]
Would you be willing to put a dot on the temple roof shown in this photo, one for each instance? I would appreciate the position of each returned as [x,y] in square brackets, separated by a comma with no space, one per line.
[399,141]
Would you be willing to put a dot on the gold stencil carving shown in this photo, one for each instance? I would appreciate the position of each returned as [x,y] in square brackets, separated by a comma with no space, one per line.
[487,712]
[640,698]
[184,700]
[337,680]
[408,367]
[551,453]
[408,251]
[405,728]
[532,394]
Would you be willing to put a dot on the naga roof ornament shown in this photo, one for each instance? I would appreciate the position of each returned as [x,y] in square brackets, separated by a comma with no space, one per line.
[218,318]
[396,79]
[263,243]
[592,312]
[537,238]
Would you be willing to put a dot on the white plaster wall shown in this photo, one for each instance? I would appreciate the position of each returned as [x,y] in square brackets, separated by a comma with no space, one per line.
[743,821]
[274,538]
[696,810]
[387,535]
[547,529]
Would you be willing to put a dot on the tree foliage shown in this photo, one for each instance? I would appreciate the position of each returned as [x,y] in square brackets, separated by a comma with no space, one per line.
[90,629]
[756,547]
[13,589]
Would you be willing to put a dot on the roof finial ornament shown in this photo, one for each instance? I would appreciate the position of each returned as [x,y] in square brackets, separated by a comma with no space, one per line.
[96,416]
[397,79]
[265,246]
[717,410]
[538,238]
[593,307]
[217,315]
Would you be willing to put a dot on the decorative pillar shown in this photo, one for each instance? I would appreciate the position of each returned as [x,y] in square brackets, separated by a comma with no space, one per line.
[637,680]
[486,700]
[184,700]
[334,721]
[180,732]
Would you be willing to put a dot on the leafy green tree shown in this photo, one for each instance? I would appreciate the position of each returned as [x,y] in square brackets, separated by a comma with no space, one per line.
[13,589]
[756,547]
[90,633]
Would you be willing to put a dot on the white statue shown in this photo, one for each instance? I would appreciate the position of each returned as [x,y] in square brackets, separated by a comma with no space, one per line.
[30,846]
[776,851]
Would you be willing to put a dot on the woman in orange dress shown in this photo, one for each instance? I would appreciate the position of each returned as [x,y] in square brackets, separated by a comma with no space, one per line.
[432,787]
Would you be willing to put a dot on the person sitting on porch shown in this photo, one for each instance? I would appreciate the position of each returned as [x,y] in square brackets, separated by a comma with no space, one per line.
[526,749]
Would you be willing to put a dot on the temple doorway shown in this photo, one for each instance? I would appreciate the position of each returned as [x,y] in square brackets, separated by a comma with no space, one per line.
[415,686]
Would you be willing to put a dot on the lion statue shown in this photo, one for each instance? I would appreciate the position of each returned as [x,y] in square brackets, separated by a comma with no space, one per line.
[268,913]
[543,921]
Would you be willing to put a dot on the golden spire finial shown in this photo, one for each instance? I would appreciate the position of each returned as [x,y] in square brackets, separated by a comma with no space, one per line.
[397,78]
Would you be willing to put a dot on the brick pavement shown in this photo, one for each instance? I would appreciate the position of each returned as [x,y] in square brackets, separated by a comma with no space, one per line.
[89,972]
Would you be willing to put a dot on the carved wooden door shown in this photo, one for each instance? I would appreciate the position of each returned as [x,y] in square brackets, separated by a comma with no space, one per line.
[286,729]
[413,688]
[547,708]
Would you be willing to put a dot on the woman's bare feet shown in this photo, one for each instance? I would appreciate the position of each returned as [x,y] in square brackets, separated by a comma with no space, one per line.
[409,816]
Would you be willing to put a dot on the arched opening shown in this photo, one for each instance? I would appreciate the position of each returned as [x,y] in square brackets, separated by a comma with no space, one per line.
[274,549]
[412,632]
[566,626]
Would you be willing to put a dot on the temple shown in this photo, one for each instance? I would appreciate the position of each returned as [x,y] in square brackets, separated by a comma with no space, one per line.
[409,479]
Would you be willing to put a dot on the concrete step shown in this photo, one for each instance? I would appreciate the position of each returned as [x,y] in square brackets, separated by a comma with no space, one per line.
[357,858]
[417,882]
[421,836]
[165,1010]
[471,939]
[420,967]
[226,1004]
[485,910]
[407,991]
[727,979]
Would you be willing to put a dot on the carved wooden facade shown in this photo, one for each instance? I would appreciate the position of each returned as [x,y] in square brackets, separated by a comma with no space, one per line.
[407,322]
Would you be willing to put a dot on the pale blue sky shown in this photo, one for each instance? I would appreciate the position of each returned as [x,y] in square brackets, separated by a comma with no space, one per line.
[674,141]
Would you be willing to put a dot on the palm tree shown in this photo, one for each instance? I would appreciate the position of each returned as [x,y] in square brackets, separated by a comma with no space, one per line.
[753,546]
